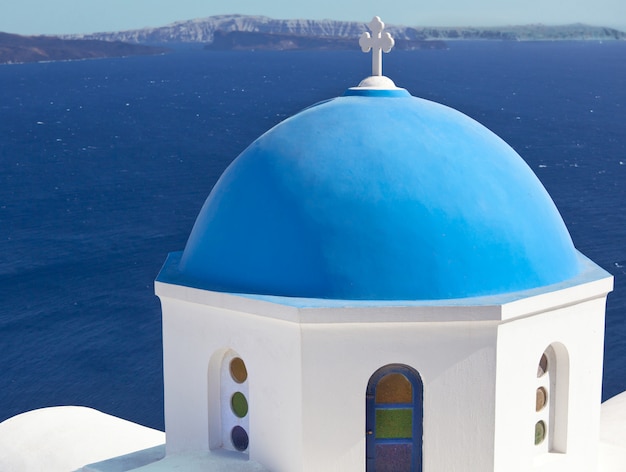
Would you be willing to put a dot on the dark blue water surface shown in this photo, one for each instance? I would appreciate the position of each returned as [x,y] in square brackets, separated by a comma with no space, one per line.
[105,164]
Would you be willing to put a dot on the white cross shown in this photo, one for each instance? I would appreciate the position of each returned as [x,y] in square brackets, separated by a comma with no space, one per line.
[378,43]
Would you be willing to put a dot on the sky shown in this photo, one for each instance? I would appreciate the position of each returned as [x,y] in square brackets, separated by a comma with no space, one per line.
[88,16]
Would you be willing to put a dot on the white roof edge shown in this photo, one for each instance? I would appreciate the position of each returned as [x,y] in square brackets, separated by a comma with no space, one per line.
[73,436]
[592,283]
[571,295]
[613,434]
[228,301]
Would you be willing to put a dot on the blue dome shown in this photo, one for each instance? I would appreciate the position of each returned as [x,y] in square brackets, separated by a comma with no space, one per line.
[378,195]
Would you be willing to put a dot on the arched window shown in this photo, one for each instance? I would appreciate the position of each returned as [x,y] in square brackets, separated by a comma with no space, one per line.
[234,403]
[394,413]
[551,400]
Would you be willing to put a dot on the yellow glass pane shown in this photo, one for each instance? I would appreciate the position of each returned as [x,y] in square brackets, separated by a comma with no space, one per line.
[238,370]
[394,388]
[394,423]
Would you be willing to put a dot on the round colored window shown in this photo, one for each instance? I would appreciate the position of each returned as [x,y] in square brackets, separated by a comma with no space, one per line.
[542,398]
[239,437]
[540,432]
[239,404]
[238,370]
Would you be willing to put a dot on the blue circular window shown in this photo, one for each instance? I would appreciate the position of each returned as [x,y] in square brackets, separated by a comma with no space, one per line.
[239,437]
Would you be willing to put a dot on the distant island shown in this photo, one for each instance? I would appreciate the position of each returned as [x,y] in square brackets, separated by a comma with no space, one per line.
[248,40]
[242,32]
[18,49]
[229,32]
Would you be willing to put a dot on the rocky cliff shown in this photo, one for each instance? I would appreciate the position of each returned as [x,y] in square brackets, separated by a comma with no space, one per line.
[246,41]
[203,30]
[15,49]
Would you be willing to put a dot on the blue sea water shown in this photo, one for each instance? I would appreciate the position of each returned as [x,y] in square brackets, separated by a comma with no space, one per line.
[105,164]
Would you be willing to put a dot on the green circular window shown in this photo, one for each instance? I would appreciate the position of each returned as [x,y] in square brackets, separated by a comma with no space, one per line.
[238,370]
[540,432]
[239,404]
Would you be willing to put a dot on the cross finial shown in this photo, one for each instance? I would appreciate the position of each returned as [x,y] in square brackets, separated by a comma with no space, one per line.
[377,42]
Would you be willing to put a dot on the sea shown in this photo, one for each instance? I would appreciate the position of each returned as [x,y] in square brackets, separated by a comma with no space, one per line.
[105,164]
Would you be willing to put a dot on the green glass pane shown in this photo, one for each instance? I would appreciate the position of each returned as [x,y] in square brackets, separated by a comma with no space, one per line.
[394,388]
[540,432]
[394,423]
[239,404]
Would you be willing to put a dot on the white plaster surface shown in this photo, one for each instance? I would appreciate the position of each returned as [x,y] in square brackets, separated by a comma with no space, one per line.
[196,336]
[62,457]
[378,82]
[521,342]
[217,461]
[613,421]
[63,439]
[613,434]
[126,462]
[612,458]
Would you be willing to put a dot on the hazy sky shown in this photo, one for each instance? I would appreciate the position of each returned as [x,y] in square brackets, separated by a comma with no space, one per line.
[85,16]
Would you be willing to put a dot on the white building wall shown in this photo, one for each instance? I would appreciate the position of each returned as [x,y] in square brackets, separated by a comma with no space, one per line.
[521,342]
[308,370]
[456,362]
[184,372]
[195,336]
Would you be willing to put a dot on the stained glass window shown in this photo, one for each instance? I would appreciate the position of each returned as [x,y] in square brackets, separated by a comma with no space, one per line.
[234,407]
[394,457]
[239,404]
[540,432]
[394,388]
[238,370]
[542,398]
[394,420]
[239,437]
[394,423]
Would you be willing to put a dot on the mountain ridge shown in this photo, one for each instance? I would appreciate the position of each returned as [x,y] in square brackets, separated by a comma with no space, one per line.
[244,32]
[253,41]
[15,48]
[202,30]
